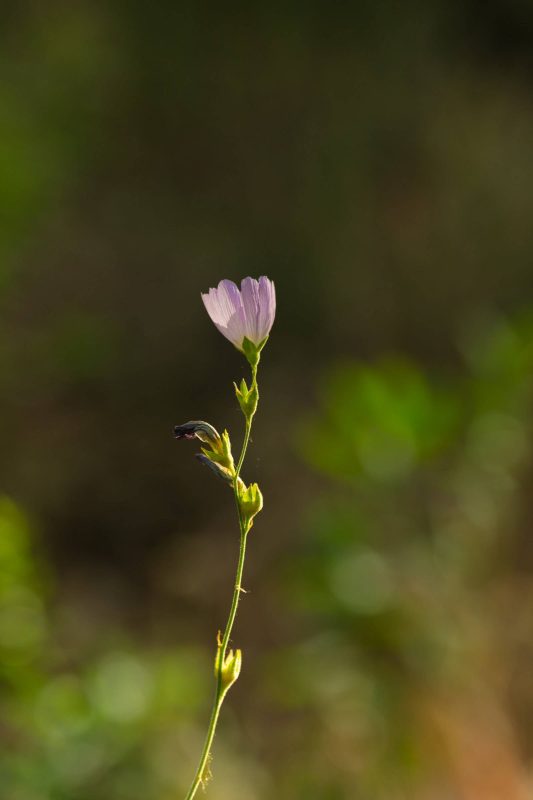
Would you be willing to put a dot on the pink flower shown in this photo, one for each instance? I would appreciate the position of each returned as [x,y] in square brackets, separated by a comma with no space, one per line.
[242,313]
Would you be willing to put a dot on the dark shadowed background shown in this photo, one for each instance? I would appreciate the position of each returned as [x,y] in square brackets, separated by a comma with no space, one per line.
[375,160]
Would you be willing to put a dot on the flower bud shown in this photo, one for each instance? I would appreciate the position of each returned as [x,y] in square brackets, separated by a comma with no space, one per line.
[250,502]
[230,669]
[248,398]
[201,430]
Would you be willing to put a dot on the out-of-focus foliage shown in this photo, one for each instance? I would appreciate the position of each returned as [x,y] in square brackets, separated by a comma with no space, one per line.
[412,642]
[380,421]
[83,723]
[410,685]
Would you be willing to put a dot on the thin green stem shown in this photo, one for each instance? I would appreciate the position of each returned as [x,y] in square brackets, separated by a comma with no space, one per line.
[243,451]
[203,767]
[202,773]
[236,596]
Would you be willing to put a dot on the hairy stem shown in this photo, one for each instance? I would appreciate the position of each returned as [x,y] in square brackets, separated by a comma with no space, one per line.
[202,773]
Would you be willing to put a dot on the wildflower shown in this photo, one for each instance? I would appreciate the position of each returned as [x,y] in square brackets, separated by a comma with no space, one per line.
[243,314]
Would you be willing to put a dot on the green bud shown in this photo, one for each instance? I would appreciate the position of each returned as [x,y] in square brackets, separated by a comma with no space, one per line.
[248,398]
[250,502]
[231,669]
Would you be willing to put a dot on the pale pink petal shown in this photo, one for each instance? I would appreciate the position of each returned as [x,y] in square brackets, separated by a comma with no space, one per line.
[267,307]
[250,301]
[224,306]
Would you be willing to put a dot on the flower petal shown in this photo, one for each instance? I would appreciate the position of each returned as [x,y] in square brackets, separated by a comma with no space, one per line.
[224,306]
[250,301]
[267,307]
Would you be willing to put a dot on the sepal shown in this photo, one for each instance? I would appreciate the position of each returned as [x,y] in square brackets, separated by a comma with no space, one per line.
[253,351]
[222,454]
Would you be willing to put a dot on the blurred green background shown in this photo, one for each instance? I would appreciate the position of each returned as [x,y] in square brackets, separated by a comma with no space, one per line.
[375,160]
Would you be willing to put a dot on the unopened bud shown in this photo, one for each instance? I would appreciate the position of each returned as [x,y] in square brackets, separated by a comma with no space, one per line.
[248,398]
[231,669]
[250,502]
[200,430]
